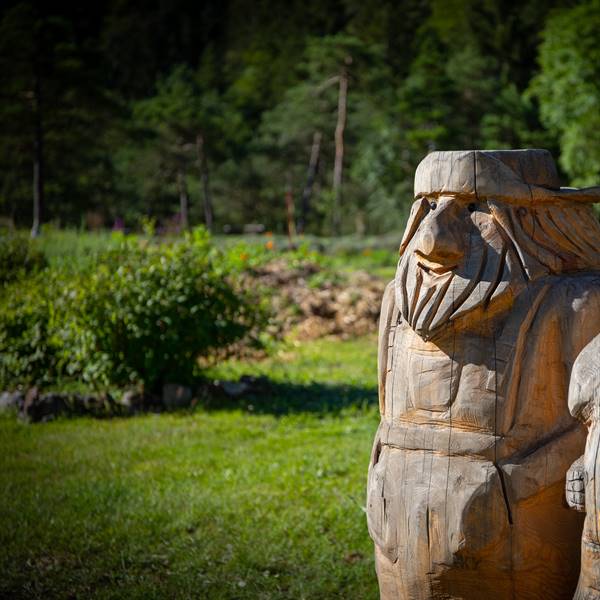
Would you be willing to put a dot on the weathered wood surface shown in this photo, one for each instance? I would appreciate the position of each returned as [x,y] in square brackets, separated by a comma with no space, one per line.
[583,478]
[492,303]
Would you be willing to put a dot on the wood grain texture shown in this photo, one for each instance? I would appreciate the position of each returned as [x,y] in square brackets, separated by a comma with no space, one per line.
[583,478]
[492,304]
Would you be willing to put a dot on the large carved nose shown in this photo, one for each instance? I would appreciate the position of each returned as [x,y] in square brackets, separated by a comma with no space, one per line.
[441,236]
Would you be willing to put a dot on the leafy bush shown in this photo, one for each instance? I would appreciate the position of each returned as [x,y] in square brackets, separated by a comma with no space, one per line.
[145,314]
[26,352]
[18,257]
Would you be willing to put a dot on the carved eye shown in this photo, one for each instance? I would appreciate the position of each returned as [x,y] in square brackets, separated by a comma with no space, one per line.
[433,205]
[472,207]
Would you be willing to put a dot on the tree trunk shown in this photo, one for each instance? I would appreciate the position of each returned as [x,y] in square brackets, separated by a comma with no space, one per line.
[339,147]
[359,222]
[203,164]
[313,167]
[289,205]
[183,199]
[38,155]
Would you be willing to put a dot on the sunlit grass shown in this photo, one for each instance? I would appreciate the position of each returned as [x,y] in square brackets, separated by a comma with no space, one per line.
[70,248]
[221,504]
[327,361]
[76,249]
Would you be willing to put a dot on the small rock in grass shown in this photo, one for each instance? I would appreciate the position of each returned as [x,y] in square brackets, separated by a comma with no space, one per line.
[11,400]
[235,388]
[136,400]
[131,399]
[42,407]
[247,384]
[176,396]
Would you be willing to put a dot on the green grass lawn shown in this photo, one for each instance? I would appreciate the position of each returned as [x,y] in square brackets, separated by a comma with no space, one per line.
[263,501]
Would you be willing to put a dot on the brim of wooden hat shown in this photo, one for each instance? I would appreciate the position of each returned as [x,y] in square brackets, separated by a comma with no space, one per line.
[520,177]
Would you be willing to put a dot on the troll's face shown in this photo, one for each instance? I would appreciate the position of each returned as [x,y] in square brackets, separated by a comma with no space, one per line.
[457,260]
[484,223]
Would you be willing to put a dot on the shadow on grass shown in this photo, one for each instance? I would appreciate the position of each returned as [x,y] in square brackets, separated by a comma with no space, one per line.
[267,397]
[258,395]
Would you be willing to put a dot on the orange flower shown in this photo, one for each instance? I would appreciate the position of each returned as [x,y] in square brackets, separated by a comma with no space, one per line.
[244,256]
[270,245]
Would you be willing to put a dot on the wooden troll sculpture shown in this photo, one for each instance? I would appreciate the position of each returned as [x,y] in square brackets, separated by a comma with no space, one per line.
[492,315]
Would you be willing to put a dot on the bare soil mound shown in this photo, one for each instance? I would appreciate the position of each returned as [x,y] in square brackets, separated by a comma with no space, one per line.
[315,302]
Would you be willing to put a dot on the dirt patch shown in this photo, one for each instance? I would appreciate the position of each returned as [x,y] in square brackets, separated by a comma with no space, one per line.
[316,303]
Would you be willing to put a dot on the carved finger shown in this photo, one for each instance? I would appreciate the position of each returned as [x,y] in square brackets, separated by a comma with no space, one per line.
[576,502]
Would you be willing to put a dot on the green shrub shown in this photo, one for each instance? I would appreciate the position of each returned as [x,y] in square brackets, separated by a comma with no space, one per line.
[145,314]
[27,354]
[18,257]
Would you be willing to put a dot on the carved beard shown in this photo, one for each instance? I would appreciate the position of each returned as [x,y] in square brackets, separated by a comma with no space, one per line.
[429,301]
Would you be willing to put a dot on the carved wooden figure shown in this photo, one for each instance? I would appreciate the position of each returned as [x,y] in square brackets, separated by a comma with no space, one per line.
[497,292]
[583,478]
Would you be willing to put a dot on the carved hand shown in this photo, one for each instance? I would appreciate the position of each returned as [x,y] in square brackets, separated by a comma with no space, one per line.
[575,485]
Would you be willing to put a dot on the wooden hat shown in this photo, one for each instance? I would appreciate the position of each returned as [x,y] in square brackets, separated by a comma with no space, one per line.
[512,176]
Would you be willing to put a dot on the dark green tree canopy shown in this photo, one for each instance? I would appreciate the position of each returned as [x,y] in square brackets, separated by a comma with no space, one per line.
[130,105]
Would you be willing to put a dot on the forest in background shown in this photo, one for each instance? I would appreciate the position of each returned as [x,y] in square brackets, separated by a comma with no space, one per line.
[233,112]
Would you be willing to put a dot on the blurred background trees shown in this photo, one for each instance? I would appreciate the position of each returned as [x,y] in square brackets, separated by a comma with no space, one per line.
[234,112]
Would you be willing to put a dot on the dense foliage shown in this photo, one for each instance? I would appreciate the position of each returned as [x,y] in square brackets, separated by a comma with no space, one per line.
[143,314]
[132,109]
[568,88]
[18,258]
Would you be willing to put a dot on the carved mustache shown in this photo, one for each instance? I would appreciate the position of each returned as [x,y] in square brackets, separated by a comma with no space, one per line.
[429,298]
